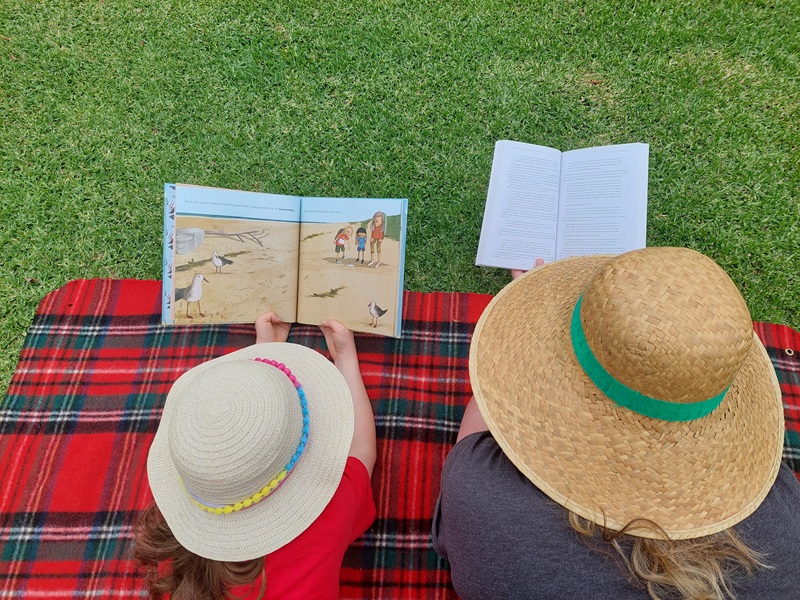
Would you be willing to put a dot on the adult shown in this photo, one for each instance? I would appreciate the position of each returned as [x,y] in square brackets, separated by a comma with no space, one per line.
[632,392]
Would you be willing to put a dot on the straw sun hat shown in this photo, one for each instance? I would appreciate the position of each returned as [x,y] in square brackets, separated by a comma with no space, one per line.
[244,460]
[664,332]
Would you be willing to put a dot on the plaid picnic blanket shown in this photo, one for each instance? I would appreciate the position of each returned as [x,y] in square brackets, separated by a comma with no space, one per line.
[85,401]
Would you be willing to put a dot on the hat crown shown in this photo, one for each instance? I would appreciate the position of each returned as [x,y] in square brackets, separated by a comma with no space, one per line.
[236,428]
[668,323]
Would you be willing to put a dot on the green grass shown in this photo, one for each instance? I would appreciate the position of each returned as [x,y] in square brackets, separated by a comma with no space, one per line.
[102,102]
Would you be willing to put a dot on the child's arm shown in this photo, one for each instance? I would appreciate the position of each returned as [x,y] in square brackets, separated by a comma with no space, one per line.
[269,328]
[342,347]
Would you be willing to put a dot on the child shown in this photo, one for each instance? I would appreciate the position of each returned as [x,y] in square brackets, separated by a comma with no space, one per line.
[361,244]
[342,236]
[260,470]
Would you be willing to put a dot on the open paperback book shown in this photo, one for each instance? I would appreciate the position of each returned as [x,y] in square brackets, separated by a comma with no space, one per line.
[231,255]
[548,204]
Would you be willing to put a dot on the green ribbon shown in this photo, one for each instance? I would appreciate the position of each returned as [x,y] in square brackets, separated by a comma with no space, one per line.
[628,397]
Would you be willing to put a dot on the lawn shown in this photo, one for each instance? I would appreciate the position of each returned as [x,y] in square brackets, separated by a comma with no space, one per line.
[102,102]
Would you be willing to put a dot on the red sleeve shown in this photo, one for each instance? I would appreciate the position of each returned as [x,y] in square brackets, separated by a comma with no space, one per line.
[309,566]
[359,489]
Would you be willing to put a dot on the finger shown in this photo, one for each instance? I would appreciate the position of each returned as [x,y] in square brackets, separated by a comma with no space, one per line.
[333,325]
[329,341]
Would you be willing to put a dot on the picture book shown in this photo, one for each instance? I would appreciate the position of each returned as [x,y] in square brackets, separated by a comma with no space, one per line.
[548,204]
[231,255]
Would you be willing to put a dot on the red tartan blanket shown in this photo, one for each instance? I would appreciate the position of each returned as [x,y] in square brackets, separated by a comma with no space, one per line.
[85,400]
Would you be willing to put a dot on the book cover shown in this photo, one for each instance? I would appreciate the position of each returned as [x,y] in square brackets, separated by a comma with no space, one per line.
[232,255]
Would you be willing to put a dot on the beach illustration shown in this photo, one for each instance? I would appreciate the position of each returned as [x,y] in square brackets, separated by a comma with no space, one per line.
[306,259]
[345,287]
[253,278]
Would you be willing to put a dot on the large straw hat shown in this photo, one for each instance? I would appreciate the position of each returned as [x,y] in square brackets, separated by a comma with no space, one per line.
[239,466]
[664,332]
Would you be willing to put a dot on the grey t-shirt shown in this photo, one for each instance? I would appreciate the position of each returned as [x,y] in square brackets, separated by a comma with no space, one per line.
[505,539]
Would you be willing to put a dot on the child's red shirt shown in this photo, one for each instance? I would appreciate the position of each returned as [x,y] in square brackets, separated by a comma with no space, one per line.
[308,567]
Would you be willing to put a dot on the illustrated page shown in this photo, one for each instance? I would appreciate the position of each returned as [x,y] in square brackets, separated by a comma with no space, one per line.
[352,254]
[234,255]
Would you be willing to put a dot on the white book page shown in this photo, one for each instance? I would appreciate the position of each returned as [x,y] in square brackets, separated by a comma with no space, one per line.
[603,203]
[521,214]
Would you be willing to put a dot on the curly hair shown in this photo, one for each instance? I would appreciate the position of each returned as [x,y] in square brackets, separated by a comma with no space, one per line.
[693,569]
[174,570]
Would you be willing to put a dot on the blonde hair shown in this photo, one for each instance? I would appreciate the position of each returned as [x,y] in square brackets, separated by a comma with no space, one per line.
[694,569]
[174,570]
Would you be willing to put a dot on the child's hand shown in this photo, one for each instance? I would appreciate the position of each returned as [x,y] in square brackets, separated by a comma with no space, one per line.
[269,328]
[339,339]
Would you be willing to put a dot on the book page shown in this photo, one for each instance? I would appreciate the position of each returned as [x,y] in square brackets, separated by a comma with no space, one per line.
[521,214]
[352,258]
[234,255]
[603,203]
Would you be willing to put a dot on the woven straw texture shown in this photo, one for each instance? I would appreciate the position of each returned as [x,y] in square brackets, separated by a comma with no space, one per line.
[633,331]
[294,505]
[608,463]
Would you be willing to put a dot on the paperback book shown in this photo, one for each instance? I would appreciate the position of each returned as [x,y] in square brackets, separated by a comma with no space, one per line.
[548,204]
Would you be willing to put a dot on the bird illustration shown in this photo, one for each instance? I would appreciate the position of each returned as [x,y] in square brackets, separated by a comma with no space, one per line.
[219,261]
[192,293]
[375,311]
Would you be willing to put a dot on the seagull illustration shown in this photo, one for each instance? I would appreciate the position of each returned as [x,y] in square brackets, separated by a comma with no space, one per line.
[192,293]
[219,261]
[376,311]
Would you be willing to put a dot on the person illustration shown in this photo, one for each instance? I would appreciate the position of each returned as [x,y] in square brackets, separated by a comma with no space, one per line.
[342,237]
[624,441]
[377,231]
[268,508]
[361,244]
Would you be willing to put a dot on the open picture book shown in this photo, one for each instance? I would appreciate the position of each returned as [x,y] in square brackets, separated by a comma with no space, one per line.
[548,204]
[230,256]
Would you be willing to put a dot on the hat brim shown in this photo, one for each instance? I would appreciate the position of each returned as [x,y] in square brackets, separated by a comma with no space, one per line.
[602,461]
[298,501]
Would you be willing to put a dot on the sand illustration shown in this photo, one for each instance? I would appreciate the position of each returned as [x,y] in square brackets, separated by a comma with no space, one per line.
[263,278]
[344,291]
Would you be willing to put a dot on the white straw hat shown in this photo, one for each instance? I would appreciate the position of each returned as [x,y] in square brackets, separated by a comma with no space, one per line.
[244,460]
[632,387]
